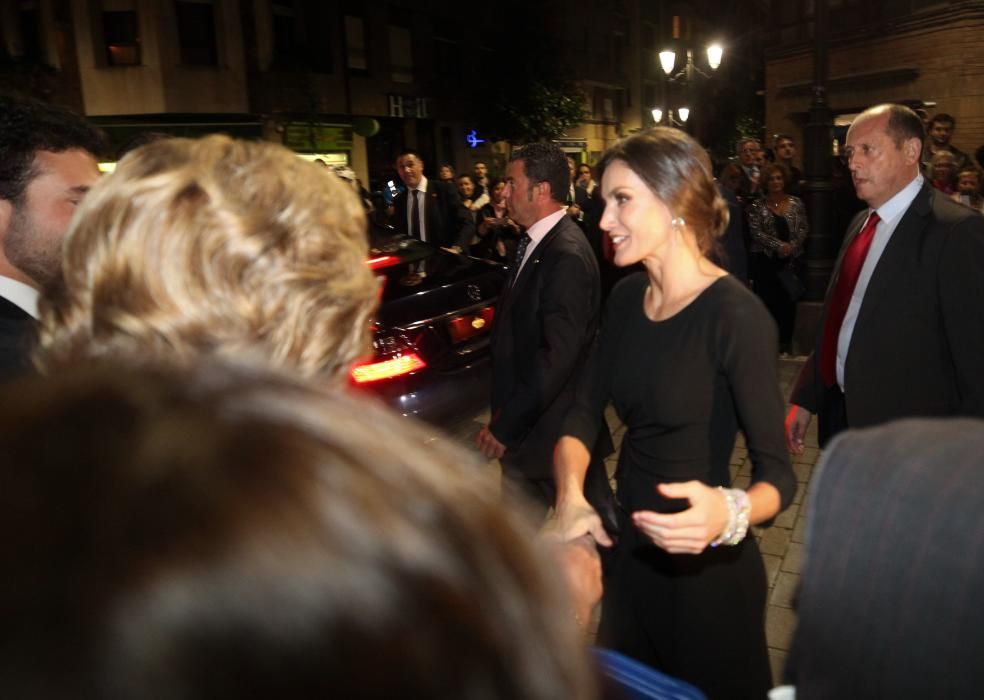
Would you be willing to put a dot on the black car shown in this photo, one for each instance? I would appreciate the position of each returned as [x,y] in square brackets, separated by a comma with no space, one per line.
[431,332]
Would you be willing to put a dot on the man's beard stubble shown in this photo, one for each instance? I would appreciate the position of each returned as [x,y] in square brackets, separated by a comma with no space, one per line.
[30,252]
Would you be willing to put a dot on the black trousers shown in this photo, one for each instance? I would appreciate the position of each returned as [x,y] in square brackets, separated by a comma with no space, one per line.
[770,290]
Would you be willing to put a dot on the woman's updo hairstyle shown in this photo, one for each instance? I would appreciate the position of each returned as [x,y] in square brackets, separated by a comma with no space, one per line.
[672,166]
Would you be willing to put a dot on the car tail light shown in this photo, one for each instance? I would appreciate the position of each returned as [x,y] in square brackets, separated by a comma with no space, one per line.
[378,370]
[470,325]
[382,261]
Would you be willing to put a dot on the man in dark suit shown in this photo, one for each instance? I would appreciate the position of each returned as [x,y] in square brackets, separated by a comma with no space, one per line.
[430,209]
[889,602]
[545,323]
[47,164]
[902,329]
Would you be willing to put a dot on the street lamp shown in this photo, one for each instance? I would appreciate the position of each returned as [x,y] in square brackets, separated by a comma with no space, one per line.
[690,71]
[682,114]
[667,59]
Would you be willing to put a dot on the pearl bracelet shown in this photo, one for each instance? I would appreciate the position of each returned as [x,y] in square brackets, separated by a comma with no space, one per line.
[738,510]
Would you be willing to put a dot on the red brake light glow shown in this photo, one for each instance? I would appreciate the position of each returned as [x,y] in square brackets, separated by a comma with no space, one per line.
[382,261]
[465,327]
[387,369]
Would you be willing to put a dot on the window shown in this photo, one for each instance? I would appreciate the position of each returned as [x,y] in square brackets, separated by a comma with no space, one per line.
[122,37]
[357,58]
[447,57]
[196,32]
[401,54]
[31,46]
[296,42]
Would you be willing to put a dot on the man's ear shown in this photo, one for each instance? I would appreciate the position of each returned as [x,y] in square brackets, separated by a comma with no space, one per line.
[912,149]
[6,213]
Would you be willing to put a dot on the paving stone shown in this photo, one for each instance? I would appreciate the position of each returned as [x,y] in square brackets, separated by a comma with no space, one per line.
[793,561]
[784,592]
[611,464]
[799,531]
[800,491]
[780,623]
[802,472]
[787,518]
[611,416]
[777,660]
[742,482]
[772,563]
[732,471]
[775,540]
[617,438]
[746,468]
[809,456]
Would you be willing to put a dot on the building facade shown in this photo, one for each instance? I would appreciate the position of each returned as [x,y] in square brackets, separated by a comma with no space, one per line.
[924,54]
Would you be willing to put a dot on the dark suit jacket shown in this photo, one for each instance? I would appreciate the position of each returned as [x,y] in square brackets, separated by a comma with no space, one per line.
[544,327]
[449,223]
[16,339]
[918,342]
[889,605]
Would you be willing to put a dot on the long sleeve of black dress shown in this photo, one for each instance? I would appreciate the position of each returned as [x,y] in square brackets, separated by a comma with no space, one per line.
[684,386]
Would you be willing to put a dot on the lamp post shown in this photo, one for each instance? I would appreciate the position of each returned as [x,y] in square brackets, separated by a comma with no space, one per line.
[681,117]
[687,75]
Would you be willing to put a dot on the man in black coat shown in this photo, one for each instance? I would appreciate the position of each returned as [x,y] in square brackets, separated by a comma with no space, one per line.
[889,602]
[430,210]
[902,330]
[545,324]
[47,164]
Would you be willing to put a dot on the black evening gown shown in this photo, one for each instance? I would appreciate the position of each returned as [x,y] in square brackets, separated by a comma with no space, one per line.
[683,387]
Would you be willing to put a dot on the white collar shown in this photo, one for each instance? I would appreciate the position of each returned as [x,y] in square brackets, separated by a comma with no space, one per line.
[21,295]
[894,207]
[541,228]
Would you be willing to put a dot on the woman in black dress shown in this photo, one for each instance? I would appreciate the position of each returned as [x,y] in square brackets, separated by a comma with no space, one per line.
[687,356]
[778,227]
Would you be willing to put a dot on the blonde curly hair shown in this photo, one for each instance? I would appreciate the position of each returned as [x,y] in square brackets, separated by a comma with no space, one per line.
[214,246]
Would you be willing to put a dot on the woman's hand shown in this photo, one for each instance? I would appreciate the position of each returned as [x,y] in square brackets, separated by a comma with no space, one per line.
[573,518]
[690,531]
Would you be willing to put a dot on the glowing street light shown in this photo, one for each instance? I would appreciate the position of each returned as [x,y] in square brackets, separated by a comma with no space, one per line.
[714,54]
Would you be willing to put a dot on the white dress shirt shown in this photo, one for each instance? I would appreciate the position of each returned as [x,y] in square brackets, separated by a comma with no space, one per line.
[20,295]
[890,213]
[421,198]
[538,231]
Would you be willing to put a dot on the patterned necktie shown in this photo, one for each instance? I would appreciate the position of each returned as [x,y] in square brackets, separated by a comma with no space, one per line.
[415,216]
[847,280]
[524,243]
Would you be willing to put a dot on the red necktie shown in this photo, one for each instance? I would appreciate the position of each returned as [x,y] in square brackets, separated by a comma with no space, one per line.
[847,280]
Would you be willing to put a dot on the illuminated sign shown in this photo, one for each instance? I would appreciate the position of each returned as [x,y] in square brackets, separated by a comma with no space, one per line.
[473,139]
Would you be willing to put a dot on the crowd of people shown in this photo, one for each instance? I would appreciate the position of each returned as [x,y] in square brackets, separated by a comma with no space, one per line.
[195,504]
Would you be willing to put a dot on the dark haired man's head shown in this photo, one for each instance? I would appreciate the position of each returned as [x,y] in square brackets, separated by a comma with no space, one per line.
[941,128]
[545,162]
[784,148]
[410,168]
[47,164]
